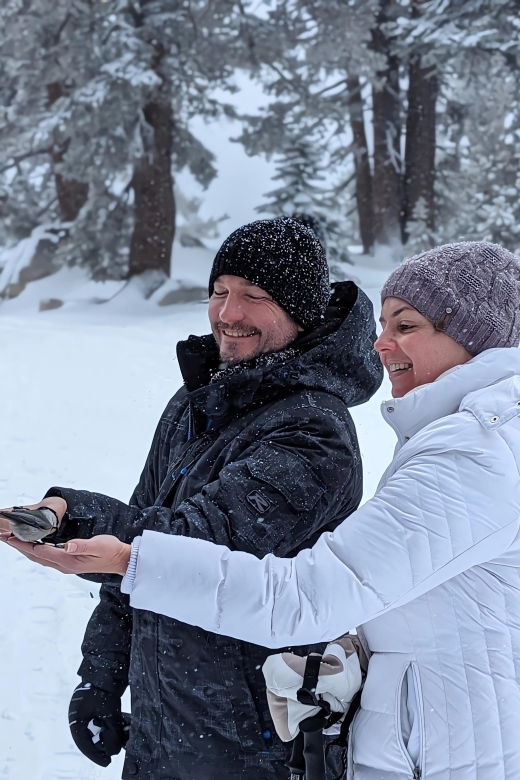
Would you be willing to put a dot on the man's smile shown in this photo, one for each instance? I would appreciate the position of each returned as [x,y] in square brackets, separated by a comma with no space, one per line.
[233,334]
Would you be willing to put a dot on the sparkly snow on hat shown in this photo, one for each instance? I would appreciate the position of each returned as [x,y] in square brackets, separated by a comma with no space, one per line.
[470,290]
[286,259]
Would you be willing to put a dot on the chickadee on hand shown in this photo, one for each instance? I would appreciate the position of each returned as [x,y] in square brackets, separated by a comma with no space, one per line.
[31,525]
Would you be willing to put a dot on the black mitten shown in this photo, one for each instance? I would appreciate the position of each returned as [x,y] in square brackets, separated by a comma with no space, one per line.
[97,725]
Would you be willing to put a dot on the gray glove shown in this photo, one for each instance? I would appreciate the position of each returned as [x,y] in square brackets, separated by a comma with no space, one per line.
[31,525]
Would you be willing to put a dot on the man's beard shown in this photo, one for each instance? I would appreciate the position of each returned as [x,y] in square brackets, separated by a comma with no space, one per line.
[234,360]
[231,360]
[228,357]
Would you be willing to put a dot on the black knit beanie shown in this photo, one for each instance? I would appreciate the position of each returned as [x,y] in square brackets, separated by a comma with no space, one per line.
[286,259]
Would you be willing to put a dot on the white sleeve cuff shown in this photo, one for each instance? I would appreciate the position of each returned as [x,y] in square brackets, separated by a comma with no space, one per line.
[127,584]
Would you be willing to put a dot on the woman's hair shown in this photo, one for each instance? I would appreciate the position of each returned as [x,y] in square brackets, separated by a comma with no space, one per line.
[469,290]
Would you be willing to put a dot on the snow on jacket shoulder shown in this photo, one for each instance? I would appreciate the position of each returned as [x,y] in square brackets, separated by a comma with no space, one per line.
[429,568]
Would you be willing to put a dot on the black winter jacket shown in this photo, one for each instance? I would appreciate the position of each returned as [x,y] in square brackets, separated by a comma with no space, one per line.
[263,460]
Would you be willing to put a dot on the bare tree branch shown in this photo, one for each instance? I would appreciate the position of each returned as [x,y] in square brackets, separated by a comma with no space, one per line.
[20,157]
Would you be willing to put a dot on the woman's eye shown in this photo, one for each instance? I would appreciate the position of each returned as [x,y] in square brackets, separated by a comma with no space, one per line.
[219,294]
[404,328]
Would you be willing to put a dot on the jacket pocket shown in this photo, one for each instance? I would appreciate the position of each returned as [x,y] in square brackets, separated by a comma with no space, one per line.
[410,719]
[378,746]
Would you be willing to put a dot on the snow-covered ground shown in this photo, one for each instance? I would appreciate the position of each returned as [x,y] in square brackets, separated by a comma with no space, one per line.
[81,390]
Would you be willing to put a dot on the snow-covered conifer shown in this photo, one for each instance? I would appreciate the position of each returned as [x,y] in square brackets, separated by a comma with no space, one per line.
[96,101]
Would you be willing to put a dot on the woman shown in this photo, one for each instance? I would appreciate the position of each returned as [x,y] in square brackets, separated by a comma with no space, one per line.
[429,569]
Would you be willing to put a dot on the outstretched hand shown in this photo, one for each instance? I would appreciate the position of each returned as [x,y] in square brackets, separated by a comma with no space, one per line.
[100,555]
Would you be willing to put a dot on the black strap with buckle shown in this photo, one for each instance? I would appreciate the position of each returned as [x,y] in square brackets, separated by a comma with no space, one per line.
[308,755]
[307,760]
[307,695]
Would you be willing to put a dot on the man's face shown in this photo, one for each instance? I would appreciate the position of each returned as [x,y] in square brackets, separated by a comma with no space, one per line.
[246,321]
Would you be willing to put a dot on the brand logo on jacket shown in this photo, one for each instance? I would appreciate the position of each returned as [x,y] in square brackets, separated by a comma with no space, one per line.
[260,503]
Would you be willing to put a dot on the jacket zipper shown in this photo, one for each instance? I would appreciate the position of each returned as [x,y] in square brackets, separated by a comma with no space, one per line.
[194,444]
[174,466]
[420,707]
[416,771]
[198,446]
[190,421]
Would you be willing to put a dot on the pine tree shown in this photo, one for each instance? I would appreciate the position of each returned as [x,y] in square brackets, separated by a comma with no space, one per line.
[306,125]
[475,46]
[301,172]
[336,52]
[439,79]
[96,116]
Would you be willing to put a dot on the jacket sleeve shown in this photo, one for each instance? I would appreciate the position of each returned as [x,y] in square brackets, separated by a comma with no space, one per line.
[106,646]
[280,491]
[108,636]
[449,507]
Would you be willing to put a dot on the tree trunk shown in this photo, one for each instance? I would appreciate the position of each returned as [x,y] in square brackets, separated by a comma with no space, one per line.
[71,193]
[387,186]
[387,165]
[419,179]
[154,206]
[362,165]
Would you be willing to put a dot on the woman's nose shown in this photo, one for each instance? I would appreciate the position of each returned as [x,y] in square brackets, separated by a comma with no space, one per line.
[384,343]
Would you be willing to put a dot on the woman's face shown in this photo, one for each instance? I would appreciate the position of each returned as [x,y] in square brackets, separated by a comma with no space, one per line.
[411,350]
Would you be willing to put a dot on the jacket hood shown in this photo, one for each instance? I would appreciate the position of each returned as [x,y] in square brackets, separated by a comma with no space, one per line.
[338,357]
[472,383]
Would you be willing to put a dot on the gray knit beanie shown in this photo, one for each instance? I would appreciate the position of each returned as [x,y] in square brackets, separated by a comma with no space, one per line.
[470,290]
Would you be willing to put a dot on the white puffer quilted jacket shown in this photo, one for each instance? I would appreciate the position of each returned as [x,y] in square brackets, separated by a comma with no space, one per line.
[429,569]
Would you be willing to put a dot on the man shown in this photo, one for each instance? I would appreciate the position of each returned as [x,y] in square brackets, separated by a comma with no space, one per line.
[258,452]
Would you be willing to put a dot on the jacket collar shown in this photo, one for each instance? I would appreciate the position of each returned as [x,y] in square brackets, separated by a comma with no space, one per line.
[338,358]
[464,387]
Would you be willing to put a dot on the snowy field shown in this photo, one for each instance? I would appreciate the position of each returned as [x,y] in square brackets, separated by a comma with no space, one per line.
[82,389]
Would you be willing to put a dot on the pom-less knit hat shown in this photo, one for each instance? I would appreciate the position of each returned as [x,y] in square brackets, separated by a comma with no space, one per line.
[470,290]
[286,259]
